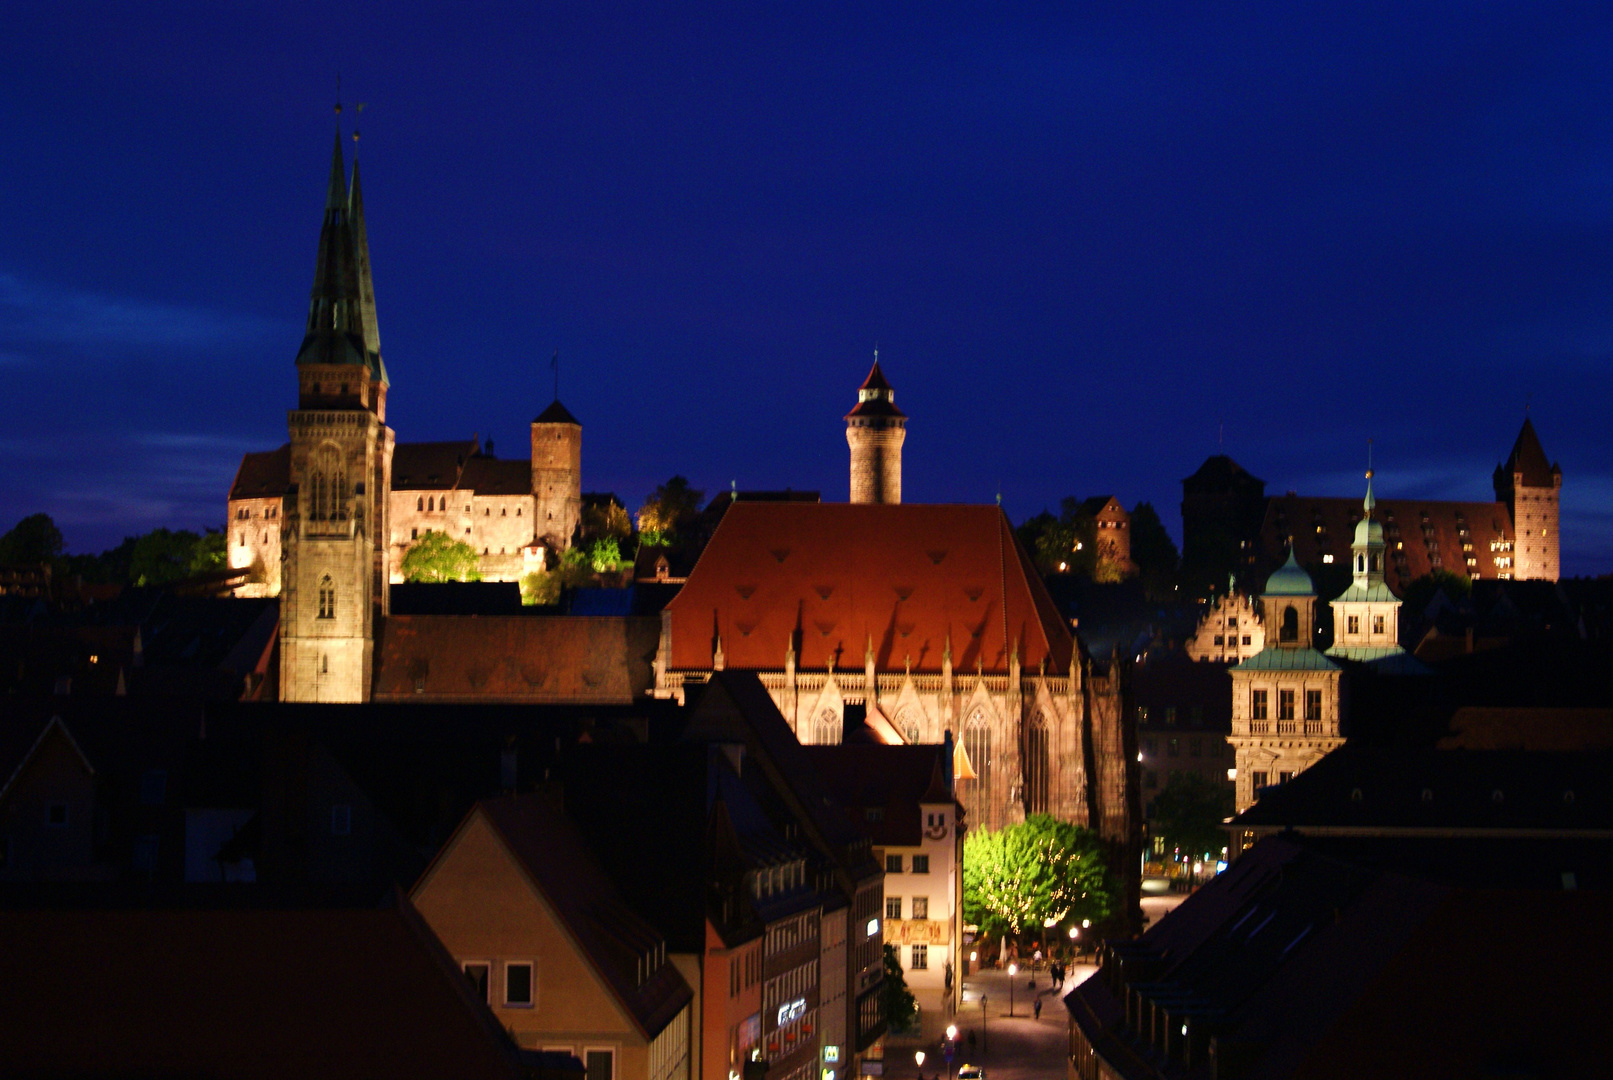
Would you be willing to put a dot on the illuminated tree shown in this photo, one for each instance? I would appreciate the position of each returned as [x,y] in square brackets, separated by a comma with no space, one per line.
[1017,878]
[438,557]
[669,507]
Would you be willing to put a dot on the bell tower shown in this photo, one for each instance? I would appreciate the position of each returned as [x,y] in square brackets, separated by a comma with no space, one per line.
[333,522]
[875,431]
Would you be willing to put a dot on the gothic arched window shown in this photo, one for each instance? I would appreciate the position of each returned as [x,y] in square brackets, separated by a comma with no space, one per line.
[327,598]
[908,724]
[419,504]
[1290,627]
[327,486]
[977,745]
[1037,770]
[826,730]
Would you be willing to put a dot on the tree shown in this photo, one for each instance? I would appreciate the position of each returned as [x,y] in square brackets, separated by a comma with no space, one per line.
[605,556]
[439,557]
[209,554]
[606,519]
[1066,544]
[163,556]
[1420,593]
[1154,552]
[671,506]
[1017,878]
[901,1008]
[1188,814]
[34,539]
[571,571]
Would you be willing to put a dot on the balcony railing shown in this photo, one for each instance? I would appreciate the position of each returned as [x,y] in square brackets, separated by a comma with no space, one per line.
[1287,727]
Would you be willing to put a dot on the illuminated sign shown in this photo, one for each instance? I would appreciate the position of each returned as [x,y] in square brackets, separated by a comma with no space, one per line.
[873,927]
[831,1054]
[792,1011]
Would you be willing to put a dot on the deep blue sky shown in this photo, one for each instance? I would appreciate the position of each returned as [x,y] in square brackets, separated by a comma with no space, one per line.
[1083,237]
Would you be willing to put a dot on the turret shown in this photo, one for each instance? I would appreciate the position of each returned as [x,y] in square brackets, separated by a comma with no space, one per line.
[556,476]
[1530,488]
[875,431]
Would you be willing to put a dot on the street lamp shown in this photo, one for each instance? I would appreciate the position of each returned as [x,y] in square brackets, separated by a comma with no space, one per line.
[918,1058]
[1013,969]
[952,1032]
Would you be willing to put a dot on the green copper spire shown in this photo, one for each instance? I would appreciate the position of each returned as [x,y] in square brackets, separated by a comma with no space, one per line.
[366,285]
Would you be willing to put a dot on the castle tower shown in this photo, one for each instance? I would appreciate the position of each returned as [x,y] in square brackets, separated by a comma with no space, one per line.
[1530,488]
[333,531]
[875,431]
[556,476]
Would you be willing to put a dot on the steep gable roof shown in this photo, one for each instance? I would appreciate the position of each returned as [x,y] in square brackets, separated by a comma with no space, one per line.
[832,576]
[620,944]
[263,475]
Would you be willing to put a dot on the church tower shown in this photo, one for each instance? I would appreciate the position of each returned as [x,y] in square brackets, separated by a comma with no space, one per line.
[1366,616]
[556,476]
[334,573]
[1530,488]
[875,431]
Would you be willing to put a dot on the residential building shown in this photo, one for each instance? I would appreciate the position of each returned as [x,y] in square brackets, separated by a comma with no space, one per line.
[905,799]
[1229,631]
[545,939]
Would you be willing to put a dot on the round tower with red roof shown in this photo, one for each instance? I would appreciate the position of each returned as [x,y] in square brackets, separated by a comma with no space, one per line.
[875,431]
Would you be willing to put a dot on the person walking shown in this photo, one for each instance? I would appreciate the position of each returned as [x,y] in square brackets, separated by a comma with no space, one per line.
[1036,1007]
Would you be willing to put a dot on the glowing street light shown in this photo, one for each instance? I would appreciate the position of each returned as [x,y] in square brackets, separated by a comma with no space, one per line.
[952,1032]
[1013,969]
[918,1058]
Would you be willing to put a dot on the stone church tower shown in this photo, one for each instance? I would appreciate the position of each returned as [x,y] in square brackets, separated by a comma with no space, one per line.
[875,431]
[556,476]
[333,520]
[1530,488]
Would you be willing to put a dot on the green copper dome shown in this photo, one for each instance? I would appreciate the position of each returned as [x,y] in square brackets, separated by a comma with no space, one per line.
[1290,580]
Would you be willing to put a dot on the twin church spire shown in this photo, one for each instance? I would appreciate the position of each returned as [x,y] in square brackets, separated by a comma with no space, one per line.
[342,330]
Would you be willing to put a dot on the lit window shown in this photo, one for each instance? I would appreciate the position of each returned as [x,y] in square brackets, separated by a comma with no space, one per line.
[921,957]
[1285,704]
[893,907]
[921,907]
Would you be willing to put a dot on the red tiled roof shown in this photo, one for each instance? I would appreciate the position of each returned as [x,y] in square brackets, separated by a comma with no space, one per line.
[1410,544]
[239,994]
[263,475]
[836,574]
[431,465]
[490,476]
[542,658]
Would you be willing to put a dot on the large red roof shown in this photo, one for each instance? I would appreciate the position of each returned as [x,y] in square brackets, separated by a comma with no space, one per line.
[836,574]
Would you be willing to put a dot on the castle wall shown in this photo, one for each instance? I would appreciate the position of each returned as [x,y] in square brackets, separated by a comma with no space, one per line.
[498,527]
[253,544]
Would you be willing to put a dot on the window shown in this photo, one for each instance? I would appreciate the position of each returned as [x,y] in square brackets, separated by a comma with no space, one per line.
[1352,625]
[874,814]
[921,864]
[1172,749]
[1037,771]
[56,814]
[341,820]
[1284,777]
[601,1064]
[921,907]
[518,985]
[893,864]
[977,746]
[1313,704]
[476,975]
[1290,627]
[1170,714]
[1257,705]
[1258,779]
[327,598]
[1285,704]
[921,957]
[1220,639]
[420,504]
[414,534]
[1377,624]
[893,907]
[1248,639]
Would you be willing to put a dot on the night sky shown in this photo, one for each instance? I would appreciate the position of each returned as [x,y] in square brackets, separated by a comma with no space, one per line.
[1085,238]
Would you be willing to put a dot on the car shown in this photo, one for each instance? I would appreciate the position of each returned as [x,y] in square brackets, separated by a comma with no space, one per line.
[971,1072]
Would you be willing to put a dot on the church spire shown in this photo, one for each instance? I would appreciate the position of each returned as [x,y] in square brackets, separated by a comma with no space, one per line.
[366,285]
[335,334]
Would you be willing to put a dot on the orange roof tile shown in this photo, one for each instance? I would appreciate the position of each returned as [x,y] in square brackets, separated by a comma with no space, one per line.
[535,658]
[836,575]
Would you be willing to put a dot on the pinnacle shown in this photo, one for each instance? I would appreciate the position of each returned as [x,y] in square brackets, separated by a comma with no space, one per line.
[336,196]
